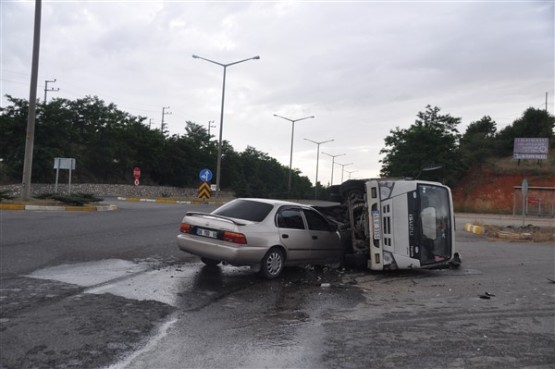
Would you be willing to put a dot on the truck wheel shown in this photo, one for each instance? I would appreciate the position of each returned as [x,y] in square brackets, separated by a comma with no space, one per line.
[210,262]
[272,263]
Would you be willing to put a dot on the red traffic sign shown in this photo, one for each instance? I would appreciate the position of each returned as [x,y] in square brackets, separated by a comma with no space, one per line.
[136,182]
[136,172]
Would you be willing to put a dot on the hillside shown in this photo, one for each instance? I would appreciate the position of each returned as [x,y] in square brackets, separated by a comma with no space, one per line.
[490,187]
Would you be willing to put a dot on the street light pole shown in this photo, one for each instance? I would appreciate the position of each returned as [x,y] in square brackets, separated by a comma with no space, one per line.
[318,143]
[291,153]
[332,163]
[350,172]
[219,160]
[343,169]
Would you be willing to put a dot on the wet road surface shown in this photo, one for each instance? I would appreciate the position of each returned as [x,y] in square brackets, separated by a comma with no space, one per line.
[158,308]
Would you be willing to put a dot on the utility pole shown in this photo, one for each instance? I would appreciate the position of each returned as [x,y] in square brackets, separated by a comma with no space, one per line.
[51,89]
[164,112]
[210,125]
[546,94]
[149,123]
[30,135]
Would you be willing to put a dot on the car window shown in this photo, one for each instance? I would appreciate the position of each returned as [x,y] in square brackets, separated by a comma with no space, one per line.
[245,209]
[290,218]
[316,222]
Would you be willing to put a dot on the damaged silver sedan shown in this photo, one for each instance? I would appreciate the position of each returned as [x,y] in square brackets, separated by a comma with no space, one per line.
[264,234]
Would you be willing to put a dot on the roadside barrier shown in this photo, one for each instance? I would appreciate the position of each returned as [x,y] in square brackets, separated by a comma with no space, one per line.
[168,201]
[469,227]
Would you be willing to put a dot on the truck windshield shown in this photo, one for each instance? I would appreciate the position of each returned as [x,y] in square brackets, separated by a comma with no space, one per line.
[435,224]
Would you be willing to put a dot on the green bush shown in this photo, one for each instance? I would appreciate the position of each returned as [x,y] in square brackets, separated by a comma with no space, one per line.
[76,199]
[6,195]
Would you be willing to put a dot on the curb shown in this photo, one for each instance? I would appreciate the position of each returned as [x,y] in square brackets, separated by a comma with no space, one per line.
[58,208]
[168,201]
[469,227]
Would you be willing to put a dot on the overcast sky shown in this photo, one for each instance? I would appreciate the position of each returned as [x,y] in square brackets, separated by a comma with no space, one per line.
[361,68]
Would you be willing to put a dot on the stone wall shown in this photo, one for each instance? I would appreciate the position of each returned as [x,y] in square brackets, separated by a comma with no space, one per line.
[109,190]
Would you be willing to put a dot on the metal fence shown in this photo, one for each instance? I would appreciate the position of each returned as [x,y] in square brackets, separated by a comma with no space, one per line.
[540,201]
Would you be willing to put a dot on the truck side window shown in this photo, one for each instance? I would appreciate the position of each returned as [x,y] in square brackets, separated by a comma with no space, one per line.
[290,218]
[316,222]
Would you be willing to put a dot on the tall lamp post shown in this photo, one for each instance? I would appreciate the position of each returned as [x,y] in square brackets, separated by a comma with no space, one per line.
[343,169]
[291,154]
[351,172]
[219,161]
[318,143]
[332,163]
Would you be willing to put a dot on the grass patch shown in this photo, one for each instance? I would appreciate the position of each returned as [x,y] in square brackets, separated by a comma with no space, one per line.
[508,165]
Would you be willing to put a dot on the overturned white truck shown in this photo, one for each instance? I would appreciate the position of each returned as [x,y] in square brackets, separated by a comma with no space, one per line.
[395,224]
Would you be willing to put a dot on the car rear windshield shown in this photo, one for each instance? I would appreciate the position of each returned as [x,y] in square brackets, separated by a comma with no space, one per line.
[245,209]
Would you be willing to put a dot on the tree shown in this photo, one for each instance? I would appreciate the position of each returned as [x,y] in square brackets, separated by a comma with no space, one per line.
[432,141]
[533,123]
[478,142]
[13,123]
[108,143]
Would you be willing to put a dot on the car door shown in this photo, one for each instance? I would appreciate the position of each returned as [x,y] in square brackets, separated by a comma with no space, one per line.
[293,234]
[326,243]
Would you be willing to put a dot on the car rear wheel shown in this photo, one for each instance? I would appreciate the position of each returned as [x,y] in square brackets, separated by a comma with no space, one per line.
[272,263]
[210,262]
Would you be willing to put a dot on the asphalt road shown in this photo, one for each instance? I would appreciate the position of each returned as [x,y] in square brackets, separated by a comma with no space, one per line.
[111,290]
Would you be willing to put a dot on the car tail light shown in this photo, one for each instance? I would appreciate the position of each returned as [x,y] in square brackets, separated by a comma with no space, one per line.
[234,237]
[185,228]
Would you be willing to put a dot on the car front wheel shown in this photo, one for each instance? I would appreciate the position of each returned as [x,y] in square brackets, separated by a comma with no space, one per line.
[272,263]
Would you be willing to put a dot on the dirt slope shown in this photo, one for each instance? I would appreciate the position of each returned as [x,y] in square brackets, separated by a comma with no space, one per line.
[491,187]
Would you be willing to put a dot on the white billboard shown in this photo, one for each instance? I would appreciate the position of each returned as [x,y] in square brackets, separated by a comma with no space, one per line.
[531,148]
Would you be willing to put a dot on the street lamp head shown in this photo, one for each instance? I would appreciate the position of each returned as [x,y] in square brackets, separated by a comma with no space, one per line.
[195,56]
[319,142]
[256,57]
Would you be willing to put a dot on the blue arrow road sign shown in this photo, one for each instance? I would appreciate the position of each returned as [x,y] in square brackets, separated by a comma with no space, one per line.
[205,175]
